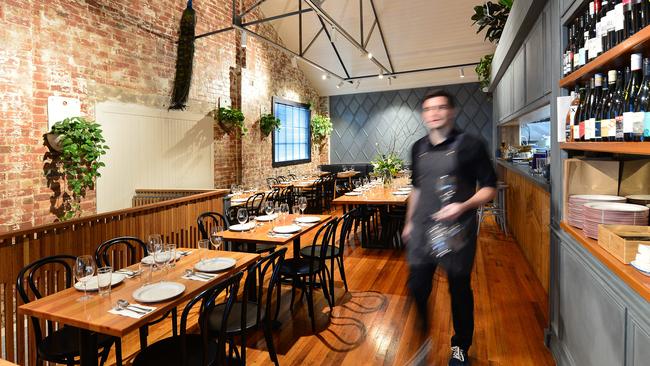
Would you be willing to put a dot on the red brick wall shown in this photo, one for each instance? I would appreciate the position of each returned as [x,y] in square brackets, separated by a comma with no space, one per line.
[122,50]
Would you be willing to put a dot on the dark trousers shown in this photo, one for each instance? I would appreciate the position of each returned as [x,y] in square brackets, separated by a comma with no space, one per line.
[459,269]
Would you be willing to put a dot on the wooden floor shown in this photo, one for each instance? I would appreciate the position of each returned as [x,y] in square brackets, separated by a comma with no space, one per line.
[374,323]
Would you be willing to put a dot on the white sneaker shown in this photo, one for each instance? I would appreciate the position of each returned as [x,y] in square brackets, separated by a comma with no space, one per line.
[421,355]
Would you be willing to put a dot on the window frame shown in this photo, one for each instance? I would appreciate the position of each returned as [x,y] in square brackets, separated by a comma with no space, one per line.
[275,164]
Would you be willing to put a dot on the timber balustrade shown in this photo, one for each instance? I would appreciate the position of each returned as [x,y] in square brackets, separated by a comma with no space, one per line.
[174,219]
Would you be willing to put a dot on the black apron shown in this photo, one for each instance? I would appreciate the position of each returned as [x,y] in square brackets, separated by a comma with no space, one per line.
[431,165]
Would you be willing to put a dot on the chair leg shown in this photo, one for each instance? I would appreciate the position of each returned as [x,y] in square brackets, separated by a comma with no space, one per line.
[310,304]
[342,271]
[174,322]
[293,293]
[269,342]
[278,300]
[324,285]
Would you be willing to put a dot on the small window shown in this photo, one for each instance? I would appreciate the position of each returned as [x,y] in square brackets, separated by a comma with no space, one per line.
[292,142]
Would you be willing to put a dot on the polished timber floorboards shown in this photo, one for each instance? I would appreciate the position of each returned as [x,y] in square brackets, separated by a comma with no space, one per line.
[373,323]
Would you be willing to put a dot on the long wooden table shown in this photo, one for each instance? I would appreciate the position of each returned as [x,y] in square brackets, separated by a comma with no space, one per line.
[376,196]
[261,234]
[92,315]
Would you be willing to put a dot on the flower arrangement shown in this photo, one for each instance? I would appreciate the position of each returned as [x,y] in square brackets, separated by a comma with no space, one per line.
[387,166]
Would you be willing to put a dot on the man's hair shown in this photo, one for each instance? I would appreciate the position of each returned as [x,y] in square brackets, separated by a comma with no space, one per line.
[441,93]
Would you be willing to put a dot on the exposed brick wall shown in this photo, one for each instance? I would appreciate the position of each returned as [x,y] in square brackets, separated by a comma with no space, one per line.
[124,50]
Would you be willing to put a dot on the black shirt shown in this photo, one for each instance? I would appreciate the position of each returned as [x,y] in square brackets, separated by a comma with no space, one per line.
[474,164]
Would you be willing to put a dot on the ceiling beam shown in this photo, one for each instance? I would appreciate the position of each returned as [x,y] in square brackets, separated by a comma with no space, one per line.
[414,71]
[381,33]
[336,51]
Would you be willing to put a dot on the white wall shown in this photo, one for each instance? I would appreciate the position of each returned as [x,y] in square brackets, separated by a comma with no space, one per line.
[152,148]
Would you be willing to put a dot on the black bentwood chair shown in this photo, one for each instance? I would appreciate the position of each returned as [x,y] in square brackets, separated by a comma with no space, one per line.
[303,271]
[106,255]
[195,349]
[254,309]
[62,345]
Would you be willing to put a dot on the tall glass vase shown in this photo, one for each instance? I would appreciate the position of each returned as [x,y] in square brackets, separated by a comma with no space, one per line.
[388,179]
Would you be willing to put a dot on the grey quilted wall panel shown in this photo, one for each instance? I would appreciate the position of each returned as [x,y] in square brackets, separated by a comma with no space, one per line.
[368,124]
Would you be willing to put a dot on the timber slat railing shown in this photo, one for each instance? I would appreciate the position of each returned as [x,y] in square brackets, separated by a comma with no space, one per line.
[174,219]
[148,196]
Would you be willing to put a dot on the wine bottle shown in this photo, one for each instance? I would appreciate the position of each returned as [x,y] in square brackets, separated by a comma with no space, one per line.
[641,102]
[619,22]
[631,91]
[567,62]
[571,114]
[630,18]
[584,112]
[608,122]
[590,124]
[620,104]
[601,130]
[575,135]
[604,25]
[639,17]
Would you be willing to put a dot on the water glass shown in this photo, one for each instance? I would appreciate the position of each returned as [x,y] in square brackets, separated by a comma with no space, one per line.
[242,215]
[252,220]
[203,244]
[295,209]
[284,211]
[215,237]
[84,269]
[171,249]
[104,280]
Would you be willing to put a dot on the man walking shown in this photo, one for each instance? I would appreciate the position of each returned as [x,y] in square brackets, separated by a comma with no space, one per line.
[446,152]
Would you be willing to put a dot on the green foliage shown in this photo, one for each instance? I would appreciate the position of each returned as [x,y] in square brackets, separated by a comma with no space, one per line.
[268,123]
[321,127]
[483,70]
[82,147]
[231,119]
[492,16]
[387,165]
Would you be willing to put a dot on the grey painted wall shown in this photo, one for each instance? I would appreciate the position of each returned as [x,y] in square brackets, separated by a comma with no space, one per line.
[368,124]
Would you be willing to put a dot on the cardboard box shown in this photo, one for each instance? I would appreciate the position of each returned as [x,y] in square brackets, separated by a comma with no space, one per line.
[612,239]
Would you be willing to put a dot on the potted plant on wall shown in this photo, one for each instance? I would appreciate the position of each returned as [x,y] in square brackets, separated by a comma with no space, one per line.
[483,70]
[268,123]
[321,127]
[80,145]
[232,120]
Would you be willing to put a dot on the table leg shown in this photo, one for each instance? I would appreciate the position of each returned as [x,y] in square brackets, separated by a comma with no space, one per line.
[296,247]
[88,352]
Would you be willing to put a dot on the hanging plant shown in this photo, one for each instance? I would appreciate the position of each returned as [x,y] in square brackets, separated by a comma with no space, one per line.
[493,17]
[483,70]
[184,59]
[321,127]
[268,123]
[81,146]
[232,119]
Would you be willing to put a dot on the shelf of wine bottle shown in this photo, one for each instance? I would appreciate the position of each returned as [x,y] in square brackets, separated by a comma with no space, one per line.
[615,58]
[631,148]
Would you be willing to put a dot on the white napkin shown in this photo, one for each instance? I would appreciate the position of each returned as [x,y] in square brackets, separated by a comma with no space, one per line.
[132,314]
[184,252]
[128,273]
[203,277]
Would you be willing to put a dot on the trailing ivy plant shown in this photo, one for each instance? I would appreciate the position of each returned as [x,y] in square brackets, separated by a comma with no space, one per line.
[268,123]
[82,146]
[483,70]
[232,119]
[321,127]
[492,16]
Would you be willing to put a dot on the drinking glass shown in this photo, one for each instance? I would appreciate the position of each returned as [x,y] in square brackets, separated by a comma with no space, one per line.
[284,211]
[171,249]
[268,208]
[215,237]
[203,244]
[152,240]
[84,269]
[161,257]
[252,220]
[295,209]
[302,203]
[242,215]
[104,280]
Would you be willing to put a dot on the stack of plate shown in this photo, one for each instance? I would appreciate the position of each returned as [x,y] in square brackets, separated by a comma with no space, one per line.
[612,213]
[576,208]
[639,199]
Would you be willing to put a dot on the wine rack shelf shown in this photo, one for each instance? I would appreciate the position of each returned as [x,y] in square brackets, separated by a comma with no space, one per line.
[616,58]
[632,148]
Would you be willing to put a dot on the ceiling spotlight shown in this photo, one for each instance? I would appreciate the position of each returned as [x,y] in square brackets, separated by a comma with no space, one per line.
[369,55]
[324,77]
[381,75]
[294,61]
[390,79]
[243,40]
[334,34]
[462,72]
[339,85]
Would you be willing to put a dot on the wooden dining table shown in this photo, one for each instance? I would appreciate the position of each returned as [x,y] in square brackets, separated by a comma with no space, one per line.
[378,195]
[92,315]
[263,233]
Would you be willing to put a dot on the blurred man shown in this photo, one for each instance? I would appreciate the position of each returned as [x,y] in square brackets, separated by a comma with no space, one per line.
[446,152]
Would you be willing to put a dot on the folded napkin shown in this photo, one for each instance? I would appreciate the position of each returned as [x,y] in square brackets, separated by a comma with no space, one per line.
[277,235]
[199,276]
[135,311]
[128,273]
[183,253]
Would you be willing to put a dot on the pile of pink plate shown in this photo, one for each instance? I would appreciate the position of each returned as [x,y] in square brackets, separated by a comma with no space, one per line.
[576,206]
[612,213]
[639,199]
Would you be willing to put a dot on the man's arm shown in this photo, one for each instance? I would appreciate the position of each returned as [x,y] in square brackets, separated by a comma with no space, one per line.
[410,207]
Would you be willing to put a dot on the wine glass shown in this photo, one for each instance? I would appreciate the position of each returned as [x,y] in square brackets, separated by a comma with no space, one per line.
[268,208]
[161,257]
[242,215]
[215,237]
[152,240]
[84,269]
[302,204]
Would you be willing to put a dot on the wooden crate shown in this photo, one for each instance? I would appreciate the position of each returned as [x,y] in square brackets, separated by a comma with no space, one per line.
[609,237]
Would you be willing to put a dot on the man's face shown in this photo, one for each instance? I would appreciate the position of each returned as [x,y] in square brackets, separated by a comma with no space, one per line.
[437,113]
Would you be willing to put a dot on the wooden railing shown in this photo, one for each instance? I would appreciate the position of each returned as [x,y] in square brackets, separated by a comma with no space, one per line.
[148,196]
[174,219]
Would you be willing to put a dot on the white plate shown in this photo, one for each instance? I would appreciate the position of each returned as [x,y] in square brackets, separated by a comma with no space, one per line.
[401,193]
[91,285]
[215,264]
[639,197]
[264,218]
[160,291]
[239,200]
[307,219]
[405,189]
[615,206]
[285,182]
[597,197]
[353,194]
[149,259]
[645,271]
[289,229]
[241,227]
